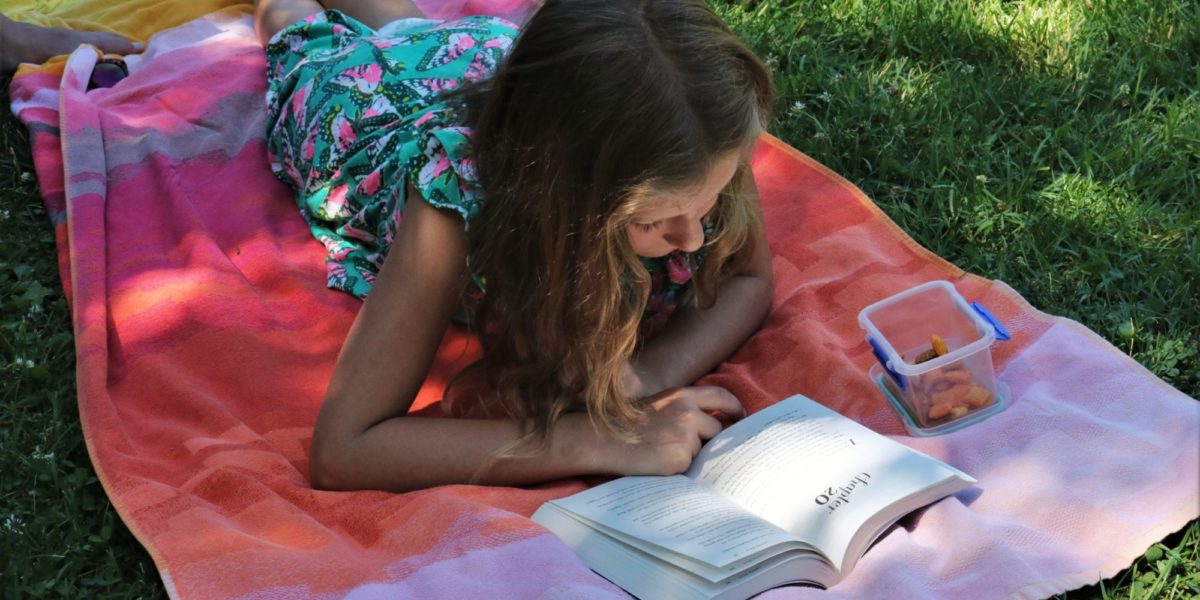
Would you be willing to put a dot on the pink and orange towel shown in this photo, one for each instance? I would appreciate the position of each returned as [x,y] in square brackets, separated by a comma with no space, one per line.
[205,337]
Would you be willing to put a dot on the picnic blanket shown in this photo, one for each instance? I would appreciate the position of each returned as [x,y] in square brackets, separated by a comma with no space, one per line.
[205,337]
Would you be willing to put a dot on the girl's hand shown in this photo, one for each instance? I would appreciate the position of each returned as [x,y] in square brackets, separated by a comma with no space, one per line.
[677,423]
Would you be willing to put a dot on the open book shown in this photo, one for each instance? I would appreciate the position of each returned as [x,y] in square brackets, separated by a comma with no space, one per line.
[795,493]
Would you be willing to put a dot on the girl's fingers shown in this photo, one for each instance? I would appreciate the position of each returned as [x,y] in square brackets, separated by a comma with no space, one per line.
[111,43]
[719,399]
[707,427]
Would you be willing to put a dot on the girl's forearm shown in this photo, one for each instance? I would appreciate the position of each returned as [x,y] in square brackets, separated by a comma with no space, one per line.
[697,340]
[410,453]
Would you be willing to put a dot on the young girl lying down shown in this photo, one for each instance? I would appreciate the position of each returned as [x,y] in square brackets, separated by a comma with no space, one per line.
[576,190]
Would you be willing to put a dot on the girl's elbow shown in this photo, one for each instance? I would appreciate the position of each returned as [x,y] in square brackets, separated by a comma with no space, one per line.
[326,470]
[765,296]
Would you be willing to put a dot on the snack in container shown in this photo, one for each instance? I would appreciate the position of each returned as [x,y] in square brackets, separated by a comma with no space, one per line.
[935,361]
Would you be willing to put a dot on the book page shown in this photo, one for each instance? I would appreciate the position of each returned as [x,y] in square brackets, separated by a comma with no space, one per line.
[813,472]
[646,574]
[676,514]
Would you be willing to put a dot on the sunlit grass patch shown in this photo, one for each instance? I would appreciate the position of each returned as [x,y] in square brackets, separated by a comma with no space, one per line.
[1093,205]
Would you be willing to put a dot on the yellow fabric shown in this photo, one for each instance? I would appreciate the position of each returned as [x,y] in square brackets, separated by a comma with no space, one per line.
[134,19]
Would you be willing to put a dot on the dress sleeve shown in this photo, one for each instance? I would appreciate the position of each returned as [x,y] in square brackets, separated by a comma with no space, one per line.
[443,170]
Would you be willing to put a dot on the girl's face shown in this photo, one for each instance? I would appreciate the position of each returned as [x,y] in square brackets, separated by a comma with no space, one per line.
[673,219]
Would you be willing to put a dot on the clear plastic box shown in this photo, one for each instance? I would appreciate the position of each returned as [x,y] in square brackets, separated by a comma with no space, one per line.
[946,392]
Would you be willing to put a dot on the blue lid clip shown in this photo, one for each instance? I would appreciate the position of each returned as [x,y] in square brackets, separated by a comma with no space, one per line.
[1001,333]
[882,358]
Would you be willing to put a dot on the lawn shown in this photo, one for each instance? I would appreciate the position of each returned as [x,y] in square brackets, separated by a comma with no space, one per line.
[1052,144]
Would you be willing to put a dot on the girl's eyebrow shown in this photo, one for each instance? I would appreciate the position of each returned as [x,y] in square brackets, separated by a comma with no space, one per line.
[649,215]
[654,217]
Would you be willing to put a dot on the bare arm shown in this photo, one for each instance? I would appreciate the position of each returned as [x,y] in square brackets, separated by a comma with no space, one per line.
[30,43]
[364,439]
[697,339]
[375,13]
[272,15]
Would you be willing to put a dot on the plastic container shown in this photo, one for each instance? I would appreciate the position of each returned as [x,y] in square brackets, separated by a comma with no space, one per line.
[950,391]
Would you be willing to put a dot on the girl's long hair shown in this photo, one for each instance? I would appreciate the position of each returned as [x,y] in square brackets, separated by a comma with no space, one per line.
[600,104]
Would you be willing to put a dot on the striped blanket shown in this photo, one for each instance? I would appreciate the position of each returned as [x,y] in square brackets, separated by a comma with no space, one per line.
[205,337]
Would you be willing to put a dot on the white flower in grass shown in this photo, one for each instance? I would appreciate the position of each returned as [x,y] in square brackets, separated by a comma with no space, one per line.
[21,361]
[825,97]
[1124,89]
[820,136]
[4,215]
[797,108]
[26,176]
[968,68]
[14,523]
[981,179]
[36,309]
[772,62]
[837,76]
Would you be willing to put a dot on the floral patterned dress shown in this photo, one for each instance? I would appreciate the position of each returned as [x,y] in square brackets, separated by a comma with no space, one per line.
[353,115]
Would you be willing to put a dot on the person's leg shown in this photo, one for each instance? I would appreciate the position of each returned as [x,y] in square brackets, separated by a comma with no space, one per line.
[272,15]
[375,13]
[26,42]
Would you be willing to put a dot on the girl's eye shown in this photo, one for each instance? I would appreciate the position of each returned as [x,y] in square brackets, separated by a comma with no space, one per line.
[647,227]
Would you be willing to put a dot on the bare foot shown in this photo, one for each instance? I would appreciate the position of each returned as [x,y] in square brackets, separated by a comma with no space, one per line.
[25,42]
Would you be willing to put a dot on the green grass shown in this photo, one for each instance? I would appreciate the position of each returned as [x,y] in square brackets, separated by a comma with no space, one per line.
[1053,145]
[59,536]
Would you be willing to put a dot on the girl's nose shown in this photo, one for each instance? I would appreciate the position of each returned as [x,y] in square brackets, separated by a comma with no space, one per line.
[688,236]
